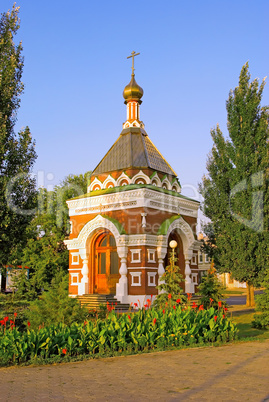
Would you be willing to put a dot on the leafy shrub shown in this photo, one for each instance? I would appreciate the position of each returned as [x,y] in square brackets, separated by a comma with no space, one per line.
[146,329]
[210,289]
[55,306]
[170,286]
[261,320]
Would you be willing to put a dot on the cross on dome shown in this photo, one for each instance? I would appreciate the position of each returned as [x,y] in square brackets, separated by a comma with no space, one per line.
[133,54]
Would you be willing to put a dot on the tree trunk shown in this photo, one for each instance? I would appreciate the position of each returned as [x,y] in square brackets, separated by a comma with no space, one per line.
[3,280]
[250,295]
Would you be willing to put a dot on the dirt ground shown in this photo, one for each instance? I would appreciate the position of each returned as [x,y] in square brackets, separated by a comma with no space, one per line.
[237,372]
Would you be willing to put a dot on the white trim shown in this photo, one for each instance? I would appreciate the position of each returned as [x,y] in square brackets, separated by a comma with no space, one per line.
[178,188]
[107,180]
[141,175]
[99,222]
[133,252]
[136,275]
[185,232]
[129,199]
[194,259]
[152,275]
[76,254]
[94,182]
[122,177]
[150,257]
[72,276]
[167,182]
[157,179]
[151,268]
[194,278]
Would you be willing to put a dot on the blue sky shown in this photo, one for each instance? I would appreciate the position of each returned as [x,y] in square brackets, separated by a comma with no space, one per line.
[191,54]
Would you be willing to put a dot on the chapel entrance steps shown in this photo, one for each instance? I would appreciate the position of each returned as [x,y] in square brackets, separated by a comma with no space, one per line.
[93,301]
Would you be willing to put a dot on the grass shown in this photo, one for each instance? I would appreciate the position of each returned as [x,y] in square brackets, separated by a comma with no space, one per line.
[234,292]
[246,332]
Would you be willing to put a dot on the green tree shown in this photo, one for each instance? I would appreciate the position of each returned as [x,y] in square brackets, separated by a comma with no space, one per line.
[45,253]
[170,286]
[235,191]
[17,154]
[210,289]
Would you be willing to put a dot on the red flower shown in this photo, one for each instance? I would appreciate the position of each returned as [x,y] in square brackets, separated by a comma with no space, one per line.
[2,322]
[116,303]
[174,307]
[154,321]
[15,315]
[189,296]
[163,311]
[169,296]
[201,307]
[215,318]
[151,296]
[211,300]
[166,304]
[5,319]
[223,316]
[178,300]
[28,323]
[129,317]
[135,304]
[64,351]
[225,309]
[145,305]
[219,303]
[194,305]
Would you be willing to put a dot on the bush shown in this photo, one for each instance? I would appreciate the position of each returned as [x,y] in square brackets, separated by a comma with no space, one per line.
[210,289]
[144,330]
[170,286]
[55,306]
[261,320]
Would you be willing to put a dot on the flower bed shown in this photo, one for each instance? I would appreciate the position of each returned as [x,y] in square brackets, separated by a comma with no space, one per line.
[173,326]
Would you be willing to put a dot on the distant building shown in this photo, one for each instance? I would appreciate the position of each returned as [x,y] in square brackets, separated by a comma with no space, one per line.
[229,282]
[7,280]
[204,265]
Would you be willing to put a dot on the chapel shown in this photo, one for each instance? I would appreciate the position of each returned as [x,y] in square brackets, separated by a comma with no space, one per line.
[122,227]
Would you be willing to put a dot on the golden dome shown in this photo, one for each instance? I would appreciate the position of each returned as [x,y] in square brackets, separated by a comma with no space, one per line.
[133,91]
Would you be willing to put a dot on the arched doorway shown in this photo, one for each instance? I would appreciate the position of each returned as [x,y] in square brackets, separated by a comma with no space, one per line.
[179,255]
[106,263]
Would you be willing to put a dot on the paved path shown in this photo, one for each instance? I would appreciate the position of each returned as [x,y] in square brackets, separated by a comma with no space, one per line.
[238,372]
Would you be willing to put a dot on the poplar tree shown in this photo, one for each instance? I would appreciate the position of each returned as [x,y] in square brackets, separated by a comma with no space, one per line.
[235,190]
[17,154]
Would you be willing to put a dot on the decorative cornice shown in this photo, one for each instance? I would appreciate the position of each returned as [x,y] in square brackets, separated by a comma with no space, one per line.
[141,197]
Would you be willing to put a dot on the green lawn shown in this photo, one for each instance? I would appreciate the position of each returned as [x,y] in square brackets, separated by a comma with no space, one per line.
[234,292]
[245,329]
